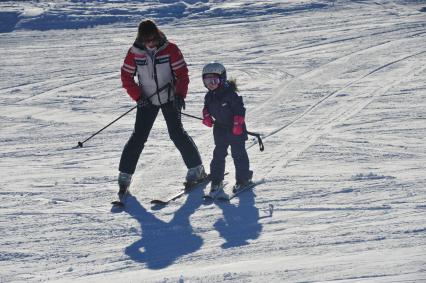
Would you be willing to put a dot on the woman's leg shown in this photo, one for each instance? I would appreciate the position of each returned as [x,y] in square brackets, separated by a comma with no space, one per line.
[145,118]
[180,137]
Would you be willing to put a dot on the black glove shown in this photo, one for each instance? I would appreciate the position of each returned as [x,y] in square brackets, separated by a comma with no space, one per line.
[179,103]
[142,102]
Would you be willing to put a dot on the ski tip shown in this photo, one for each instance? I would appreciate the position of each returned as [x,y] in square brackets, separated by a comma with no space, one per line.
[208,198]
[158,202]
[117,203]
[226,199]
[117,207]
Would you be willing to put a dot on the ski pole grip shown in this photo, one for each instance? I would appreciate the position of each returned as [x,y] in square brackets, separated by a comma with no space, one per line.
[261,147]
[259,140]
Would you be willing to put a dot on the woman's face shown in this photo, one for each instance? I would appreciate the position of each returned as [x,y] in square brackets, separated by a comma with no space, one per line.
[151,42]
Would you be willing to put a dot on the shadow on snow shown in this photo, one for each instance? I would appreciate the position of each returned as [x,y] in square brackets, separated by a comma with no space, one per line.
[164,242]
[240,221]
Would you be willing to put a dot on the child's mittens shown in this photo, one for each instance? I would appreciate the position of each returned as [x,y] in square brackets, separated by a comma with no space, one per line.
[237,129]
[207,118]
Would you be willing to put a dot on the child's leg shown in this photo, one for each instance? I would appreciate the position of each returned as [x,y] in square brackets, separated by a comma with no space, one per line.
[217,165]
[241,162]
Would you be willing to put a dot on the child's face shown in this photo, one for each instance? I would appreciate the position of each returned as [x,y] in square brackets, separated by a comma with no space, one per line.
[211,81]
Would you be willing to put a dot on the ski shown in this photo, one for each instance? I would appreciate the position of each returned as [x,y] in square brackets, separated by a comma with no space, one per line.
[188,187]
[249,186]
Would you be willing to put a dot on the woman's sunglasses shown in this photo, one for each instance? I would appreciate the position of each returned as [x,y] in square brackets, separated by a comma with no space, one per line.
[150,39]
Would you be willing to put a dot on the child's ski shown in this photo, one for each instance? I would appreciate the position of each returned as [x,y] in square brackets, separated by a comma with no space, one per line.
[250,185]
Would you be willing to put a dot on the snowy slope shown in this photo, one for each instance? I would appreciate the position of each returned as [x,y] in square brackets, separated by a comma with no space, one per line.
[337,89]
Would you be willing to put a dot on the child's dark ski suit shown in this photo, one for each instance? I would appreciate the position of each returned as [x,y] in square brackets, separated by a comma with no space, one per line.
[223,104]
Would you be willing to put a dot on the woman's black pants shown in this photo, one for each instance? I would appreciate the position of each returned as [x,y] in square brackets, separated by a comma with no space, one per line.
[145,118]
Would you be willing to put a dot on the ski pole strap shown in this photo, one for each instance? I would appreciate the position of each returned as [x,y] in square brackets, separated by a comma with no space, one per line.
[259,139]
[146,98]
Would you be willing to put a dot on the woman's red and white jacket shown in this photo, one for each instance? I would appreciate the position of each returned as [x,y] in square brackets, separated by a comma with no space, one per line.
[161,75]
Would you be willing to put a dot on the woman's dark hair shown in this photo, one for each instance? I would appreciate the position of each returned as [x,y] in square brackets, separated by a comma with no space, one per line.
[148,29]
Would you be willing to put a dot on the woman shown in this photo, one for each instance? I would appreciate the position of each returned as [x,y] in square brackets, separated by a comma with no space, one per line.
[162,84]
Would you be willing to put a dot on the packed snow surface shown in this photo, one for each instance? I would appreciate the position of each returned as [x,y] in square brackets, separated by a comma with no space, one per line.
[336,88]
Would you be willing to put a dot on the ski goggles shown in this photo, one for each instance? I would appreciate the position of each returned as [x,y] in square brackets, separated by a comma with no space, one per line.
[211,80]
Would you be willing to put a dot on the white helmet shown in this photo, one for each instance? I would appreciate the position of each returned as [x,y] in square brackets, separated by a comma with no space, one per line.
[215,68]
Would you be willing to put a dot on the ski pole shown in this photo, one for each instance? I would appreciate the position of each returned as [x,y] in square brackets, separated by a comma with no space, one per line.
[257,135]
[80,144]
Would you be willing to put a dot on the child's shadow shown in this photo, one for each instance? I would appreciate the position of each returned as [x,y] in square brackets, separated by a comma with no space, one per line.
[240,222]
[163,242]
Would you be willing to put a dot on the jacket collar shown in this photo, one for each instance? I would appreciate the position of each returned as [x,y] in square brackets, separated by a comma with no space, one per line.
[222,90]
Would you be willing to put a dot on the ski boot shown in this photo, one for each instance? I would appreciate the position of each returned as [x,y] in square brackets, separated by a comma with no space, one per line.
[195,175]
[124,180]
[241,185]
[216,190]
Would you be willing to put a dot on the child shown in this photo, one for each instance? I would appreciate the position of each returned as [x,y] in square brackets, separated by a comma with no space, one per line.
[224,109]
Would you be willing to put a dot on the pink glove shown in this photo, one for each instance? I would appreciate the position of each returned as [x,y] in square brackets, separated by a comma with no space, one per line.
[207,118]
[237,129]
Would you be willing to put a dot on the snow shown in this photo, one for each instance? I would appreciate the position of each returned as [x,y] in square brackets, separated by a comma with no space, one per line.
[336,88]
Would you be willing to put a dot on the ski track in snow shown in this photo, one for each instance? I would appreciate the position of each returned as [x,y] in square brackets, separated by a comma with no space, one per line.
[323,123]
[337,90]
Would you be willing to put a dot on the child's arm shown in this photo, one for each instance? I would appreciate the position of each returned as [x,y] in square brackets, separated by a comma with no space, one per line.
[237,128]
[239,111]
[207,118]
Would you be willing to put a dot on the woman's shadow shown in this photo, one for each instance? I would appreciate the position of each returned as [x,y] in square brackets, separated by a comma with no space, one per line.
[163,242]
[240,223]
